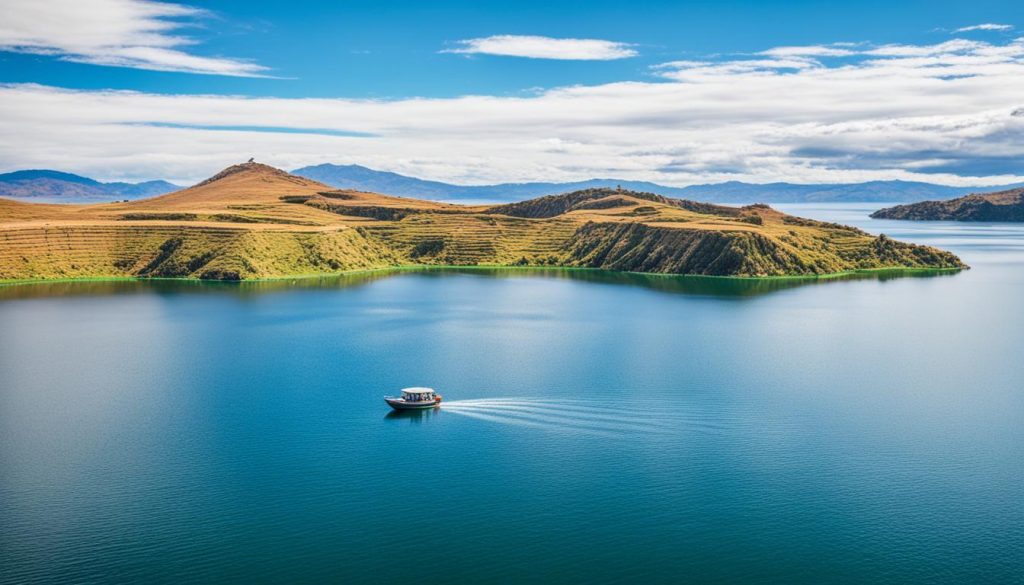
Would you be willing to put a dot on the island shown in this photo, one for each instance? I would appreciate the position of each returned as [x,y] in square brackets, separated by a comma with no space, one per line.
[253,221]
[999,206]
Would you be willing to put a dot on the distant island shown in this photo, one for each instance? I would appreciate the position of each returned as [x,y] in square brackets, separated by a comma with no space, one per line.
[253,221]
[1000,206]
[52,186]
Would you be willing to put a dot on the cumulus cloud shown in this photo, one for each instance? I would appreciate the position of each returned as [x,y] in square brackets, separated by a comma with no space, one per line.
[986,26]
[535,47]
[140,34]
[944,113]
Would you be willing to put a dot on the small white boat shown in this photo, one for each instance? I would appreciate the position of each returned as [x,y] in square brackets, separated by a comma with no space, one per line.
[414,399]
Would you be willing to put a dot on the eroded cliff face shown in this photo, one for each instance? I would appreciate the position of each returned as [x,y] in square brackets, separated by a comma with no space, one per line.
[642,248]
[645,248]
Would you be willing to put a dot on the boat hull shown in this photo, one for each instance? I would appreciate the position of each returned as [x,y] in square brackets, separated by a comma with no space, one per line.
[399,404]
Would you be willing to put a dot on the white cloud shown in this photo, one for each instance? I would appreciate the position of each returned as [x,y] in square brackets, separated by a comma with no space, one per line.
[986,26]
[947,48]
[122,33]
[942,113]
[535,47]
[810,51]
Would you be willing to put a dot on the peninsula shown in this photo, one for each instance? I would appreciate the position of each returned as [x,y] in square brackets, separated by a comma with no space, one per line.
[999,206]
[254,221]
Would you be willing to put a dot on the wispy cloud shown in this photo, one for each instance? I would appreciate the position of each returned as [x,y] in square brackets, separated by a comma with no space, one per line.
[946,113]
[536,47]
[810,51]
[986,26]
[140,34]
[254,128]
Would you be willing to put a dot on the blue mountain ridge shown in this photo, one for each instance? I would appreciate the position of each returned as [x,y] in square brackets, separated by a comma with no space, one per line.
[365,179]
[57,186]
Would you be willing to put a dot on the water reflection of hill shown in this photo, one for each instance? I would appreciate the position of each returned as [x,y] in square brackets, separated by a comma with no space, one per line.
[690,285]
[687,285]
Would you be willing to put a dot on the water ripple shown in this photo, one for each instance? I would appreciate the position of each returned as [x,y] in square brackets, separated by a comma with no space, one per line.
[577,416]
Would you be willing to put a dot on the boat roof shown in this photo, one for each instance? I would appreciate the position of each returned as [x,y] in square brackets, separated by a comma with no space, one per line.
[417,390]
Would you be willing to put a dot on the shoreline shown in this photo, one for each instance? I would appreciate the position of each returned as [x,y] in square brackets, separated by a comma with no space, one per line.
[482,268]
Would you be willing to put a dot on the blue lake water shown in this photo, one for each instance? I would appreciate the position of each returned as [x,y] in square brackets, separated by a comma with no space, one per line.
[597,428]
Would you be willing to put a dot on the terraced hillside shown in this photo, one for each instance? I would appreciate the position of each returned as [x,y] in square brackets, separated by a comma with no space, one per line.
[254,221]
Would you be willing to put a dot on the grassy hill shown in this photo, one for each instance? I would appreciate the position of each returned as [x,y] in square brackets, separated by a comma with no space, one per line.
[254,221]
[1000,206]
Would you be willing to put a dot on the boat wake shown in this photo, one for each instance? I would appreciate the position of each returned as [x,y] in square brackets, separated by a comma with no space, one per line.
[577,416]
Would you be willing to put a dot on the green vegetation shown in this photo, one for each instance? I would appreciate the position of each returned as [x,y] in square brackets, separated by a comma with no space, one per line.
[555,205]
[634,247]
[159,217]
[184,252]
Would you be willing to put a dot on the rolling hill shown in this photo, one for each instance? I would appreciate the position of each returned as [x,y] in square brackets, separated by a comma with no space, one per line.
[999,206]
[60,187]
[364,179]
[255,221]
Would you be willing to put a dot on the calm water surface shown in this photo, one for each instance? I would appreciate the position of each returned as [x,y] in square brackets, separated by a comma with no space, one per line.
[598,428]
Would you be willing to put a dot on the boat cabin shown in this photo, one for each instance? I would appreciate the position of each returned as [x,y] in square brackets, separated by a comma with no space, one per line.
[418,394]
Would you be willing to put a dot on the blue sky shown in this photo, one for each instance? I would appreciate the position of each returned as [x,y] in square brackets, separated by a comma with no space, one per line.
[392,48]
[655,69]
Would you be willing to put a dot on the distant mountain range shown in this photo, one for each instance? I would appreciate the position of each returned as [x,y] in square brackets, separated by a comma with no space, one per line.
[364,179]
[59,187]
[56,186]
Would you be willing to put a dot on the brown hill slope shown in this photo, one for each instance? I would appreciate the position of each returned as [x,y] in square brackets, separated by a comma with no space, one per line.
[999,206]
[255,221]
